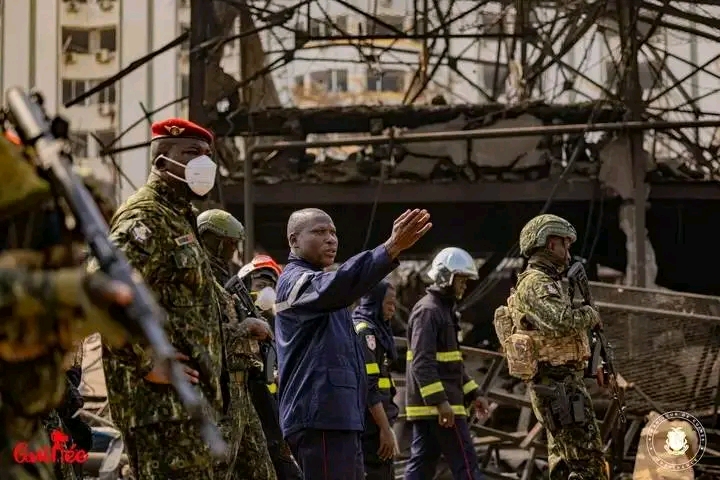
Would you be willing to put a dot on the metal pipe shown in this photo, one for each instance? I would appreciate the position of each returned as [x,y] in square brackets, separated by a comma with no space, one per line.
[249,207]
[198,34]
[488,133]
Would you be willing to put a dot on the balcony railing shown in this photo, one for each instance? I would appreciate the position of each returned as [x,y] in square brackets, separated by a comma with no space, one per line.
[89,66]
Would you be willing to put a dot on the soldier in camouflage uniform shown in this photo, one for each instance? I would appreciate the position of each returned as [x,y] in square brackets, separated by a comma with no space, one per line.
[545,339]
[64,418]
[156,229]
[48,302]
[222,235]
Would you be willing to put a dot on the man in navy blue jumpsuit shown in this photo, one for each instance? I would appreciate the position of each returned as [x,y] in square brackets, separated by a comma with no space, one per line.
[322,385]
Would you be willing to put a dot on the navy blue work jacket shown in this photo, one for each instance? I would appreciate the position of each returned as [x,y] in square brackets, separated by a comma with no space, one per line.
[321,364]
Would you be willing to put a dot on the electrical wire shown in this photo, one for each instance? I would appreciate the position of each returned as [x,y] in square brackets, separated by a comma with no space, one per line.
[277,18]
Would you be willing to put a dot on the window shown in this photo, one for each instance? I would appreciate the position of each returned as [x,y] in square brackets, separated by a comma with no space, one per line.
[106,95]
[72,89]
[321,80]
[329,80]
[316,28]
[104,139]
[89,41]
[78,144]
[108,39]
[185,85]
[341,25]
[386,81]
[341,81]
[395,21]
[489,76]
[77,41]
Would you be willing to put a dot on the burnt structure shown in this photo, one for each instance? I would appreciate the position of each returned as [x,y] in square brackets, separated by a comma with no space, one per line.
[475,205]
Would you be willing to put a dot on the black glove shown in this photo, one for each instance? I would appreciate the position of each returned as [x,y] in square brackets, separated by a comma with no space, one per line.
[73,400]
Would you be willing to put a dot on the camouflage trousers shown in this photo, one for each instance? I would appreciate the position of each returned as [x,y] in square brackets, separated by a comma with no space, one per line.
[169,450]
[249,459]
[575,448]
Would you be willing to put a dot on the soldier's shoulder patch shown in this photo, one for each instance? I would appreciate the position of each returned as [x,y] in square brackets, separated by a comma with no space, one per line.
[185,240]
[370,340]
[140,232]
[552,290]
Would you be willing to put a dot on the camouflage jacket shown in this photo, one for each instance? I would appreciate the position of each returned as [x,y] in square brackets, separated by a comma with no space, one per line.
[540,297]
[156,229]
[45,310]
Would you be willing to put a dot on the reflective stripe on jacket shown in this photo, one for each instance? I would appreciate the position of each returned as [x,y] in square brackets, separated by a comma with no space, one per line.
[435,371]
[381,388]
[321,366]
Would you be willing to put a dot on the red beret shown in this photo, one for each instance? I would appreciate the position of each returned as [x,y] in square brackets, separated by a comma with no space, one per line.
[180,128]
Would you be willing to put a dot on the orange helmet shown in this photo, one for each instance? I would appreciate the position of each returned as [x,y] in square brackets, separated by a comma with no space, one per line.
[261,262]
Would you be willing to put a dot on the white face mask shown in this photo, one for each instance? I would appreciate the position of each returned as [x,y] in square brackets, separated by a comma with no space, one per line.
[266,299]
[199,174]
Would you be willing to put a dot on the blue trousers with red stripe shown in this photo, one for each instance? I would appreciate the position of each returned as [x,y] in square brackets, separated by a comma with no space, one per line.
[328,454]
[430,441]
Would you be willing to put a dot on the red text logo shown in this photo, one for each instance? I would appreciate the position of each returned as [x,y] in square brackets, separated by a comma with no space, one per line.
[57,452]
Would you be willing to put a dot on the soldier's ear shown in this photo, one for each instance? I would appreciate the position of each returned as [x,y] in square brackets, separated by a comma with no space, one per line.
[159,163]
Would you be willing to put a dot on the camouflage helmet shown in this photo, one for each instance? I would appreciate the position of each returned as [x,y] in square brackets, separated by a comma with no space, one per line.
[221,223]
[535,233]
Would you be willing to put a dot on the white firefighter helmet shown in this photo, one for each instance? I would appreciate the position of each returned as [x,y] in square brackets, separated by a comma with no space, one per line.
[449,262]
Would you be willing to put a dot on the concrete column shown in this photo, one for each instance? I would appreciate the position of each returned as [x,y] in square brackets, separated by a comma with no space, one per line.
[164,79]
[16,44]
[135,42]
[45,69]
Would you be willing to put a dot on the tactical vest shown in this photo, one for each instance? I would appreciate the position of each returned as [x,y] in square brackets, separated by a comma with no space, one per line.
[526,349]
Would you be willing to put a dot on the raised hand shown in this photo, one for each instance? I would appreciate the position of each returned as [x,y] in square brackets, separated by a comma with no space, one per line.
[407,229]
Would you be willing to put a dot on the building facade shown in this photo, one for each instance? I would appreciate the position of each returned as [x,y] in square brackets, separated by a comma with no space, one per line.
[64,48]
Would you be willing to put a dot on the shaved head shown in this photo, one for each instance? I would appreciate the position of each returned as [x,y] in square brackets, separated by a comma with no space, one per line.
[311,235]
[299,219]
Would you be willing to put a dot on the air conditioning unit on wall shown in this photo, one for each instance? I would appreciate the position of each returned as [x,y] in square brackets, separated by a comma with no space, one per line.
[104,56]
[106,5]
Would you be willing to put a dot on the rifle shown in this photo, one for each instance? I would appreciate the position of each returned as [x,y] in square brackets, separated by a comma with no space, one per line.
[602,365]
[47,137]
[239,291]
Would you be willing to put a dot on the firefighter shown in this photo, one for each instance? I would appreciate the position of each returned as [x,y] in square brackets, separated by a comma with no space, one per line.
[372,324]
[260,278]
[438,389]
